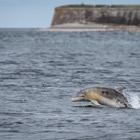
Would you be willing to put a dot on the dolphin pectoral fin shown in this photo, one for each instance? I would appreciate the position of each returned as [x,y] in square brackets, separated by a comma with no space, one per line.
[95,103]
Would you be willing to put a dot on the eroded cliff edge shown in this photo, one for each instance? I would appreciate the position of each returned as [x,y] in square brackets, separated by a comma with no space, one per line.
[100,14]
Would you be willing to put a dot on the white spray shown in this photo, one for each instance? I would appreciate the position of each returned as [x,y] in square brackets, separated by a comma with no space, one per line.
[134,99]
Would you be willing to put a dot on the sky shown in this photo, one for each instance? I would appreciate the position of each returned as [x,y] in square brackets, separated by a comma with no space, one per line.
[39,13]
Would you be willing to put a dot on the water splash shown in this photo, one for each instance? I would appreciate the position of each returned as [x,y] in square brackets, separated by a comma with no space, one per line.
[134,100]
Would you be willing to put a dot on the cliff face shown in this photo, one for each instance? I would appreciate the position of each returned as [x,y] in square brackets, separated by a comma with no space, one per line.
[116,15]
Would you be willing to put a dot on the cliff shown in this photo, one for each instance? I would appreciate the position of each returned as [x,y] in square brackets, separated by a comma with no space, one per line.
[100,14]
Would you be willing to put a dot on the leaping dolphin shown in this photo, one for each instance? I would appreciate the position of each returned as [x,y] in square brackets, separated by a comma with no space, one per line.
[103,96]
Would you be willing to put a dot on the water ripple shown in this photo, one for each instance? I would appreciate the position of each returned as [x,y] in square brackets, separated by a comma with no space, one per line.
[41,71]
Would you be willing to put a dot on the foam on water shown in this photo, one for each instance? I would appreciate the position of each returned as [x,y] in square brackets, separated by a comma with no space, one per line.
[134,100]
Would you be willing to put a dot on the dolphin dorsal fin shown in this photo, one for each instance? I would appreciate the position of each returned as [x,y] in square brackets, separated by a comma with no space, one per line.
[120,89]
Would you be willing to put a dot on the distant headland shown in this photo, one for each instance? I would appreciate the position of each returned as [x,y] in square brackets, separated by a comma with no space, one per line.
[97,17]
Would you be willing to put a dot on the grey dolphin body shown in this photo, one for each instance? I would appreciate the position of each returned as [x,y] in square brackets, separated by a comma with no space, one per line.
[103,96]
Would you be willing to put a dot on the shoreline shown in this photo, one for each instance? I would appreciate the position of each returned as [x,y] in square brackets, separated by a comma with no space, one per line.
[76,27]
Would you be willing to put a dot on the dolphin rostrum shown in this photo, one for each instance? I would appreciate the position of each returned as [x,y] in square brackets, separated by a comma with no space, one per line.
[103,96]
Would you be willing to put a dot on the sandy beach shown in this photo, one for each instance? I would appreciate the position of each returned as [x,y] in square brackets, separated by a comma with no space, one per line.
[73,27]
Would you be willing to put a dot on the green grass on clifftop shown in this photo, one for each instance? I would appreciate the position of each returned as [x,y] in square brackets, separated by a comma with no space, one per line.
[99,6]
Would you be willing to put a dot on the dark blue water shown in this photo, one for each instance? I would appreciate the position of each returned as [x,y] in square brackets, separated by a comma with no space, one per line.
[41,71]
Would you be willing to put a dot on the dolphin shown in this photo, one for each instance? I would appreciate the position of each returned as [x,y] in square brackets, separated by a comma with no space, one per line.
[103,96]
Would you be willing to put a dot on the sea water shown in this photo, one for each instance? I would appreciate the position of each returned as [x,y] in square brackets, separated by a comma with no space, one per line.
[41,71]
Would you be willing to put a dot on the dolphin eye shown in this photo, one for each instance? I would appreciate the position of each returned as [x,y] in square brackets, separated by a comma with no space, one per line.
[105,92]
